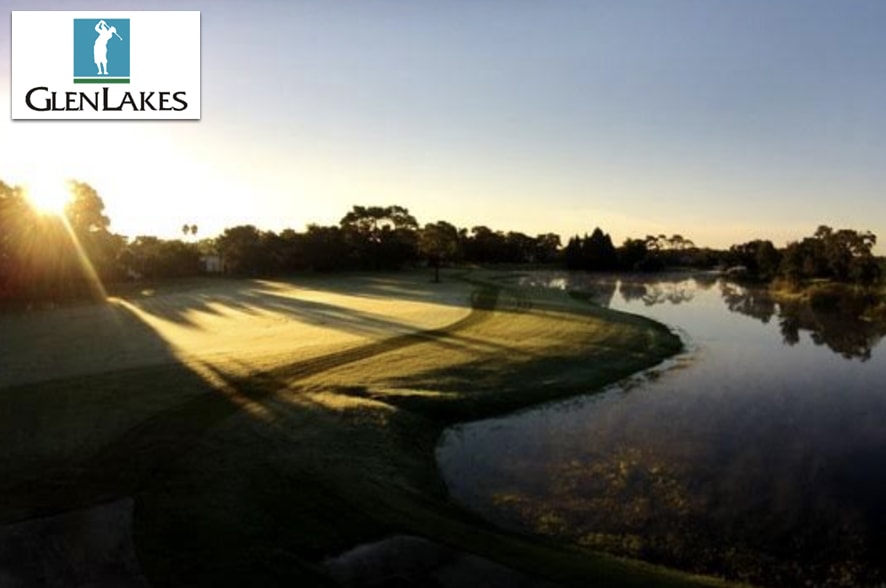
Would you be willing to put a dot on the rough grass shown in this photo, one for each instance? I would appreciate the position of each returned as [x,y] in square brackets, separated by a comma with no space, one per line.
[272,425]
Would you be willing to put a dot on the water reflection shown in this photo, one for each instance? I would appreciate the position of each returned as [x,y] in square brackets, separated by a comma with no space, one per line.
[656,293]
[843,327]
[761,460]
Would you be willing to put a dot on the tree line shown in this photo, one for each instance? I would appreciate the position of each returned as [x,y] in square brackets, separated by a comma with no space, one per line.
[842,255]
[44,257]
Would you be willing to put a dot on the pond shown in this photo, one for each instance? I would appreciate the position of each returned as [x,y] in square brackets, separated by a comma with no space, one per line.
[759,454]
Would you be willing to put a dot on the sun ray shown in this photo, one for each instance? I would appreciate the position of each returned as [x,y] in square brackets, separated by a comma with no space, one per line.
[95,281]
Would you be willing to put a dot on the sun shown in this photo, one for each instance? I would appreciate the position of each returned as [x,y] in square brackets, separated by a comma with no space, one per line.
[48,196]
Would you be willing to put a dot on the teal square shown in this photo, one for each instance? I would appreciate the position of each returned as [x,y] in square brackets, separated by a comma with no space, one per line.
[99,45]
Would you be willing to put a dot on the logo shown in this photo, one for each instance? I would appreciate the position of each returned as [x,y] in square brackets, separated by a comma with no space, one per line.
[101,51]
[134,65]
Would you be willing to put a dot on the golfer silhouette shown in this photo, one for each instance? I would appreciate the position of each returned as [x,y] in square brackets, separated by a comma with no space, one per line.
[100,51]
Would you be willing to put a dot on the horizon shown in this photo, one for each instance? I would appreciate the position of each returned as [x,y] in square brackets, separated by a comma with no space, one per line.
[720,123]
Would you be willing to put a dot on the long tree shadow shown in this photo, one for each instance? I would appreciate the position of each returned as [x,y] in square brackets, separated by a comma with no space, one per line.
[60,433]
[74,443]
[292,297]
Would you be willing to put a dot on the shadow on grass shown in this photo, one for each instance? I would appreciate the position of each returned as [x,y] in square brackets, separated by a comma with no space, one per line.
[261,296]
[71,444]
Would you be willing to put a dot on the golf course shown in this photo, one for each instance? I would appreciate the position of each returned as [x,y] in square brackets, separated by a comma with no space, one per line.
[247,432]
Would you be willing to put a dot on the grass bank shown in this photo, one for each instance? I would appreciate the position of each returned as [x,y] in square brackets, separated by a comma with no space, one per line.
[250,469]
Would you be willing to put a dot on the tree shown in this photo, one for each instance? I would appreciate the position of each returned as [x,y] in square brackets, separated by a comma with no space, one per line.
[85,214]
[598,251]
[519,248]
[15,224]
[759,256]
[843,255]
[86,210]
[325,248]
[189,230]
[51,258]
[572,255]
[439,243]
[155,258]
[242,249]
[591,253]
[632,254]
[380,237]
[680,243]
[487,246]
[547,246]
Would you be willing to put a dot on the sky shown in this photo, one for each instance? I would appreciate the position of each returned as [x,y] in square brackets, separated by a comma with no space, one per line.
[720,121]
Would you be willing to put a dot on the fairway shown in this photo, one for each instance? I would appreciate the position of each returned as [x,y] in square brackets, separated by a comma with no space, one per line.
[261,427]
[249,321]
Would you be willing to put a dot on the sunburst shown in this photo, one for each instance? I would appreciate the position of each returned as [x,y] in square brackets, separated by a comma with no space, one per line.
[48,195]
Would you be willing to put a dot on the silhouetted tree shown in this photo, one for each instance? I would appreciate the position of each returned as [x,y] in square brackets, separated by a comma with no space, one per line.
[519,248]
[439,243]
[485,246]
[325,248]
[14,225]
[760,257]
[381,237]
[547,246]
[592,253]
[844,255]
[631,254]
[85,214]
[242,249]
[152,257]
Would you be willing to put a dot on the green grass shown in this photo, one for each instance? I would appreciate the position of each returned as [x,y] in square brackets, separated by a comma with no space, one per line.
[245,476]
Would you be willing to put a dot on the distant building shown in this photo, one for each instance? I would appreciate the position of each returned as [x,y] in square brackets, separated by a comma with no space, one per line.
[213,263]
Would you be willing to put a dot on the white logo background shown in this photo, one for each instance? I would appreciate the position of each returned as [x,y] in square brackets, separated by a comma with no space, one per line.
[164,57]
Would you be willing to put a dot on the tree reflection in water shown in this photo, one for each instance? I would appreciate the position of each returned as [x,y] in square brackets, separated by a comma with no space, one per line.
[659,292]
[842,327]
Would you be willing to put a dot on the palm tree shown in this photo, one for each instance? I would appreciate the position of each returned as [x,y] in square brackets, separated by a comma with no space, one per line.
[189,230]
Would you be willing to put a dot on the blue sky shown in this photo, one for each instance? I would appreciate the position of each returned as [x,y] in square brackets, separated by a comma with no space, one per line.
[721,121]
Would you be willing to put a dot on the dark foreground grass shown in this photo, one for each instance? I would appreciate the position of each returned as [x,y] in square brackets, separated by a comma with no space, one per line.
[252,478]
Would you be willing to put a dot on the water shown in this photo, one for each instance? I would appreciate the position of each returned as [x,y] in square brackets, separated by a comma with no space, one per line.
[758,455]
